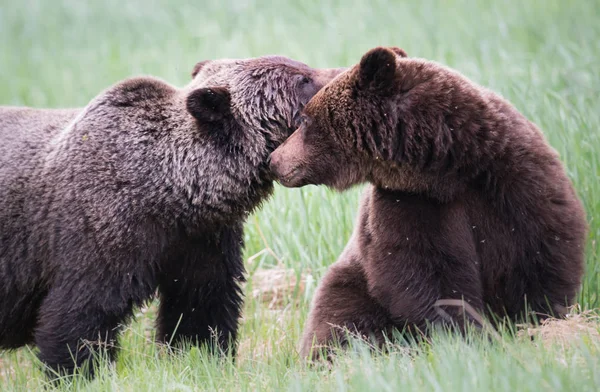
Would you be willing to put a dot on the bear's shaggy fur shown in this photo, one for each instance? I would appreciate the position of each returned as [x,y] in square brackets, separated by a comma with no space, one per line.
[146,187]
[467,201]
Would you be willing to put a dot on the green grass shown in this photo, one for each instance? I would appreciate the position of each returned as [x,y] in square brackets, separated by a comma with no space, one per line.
[543,55]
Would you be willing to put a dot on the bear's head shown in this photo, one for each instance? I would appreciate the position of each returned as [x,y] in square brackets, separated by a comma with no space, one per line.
[229,118]
[257,98]
[340,136]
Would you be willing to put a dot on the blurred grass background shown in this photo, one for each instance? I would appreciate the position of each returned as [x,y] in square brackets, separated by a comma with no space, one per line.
[541,55]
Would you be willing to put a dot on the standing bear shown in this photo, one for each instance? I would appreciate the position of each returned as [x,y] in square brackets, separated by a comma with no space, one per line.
[466,202]
[146,187]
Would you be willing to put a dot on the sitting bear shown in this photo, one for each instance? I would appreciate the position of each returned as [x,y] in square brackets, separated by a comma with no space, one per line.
[466,202]
[146,187]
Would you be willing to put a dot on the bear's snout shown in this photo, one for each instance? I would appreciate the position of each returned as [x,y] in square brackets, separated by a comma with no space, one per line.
[277,164]
[286,164]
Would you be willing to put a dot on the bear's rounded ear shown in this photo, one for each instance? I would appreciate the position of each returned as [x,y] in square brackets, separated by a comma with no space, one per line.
[399,51]
[198,67]
[209,104]
[377,69]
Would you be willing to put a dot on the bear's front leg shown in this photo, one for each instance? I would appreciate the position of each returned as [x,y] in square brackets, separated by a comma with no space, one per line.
[204,312]
[421,288]
[200,295]
[77,325]
[419,251]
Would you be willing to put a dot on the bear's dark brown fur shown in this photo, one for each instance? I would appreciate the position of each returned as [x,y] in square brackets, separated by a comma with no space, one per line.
[467,201]
[147,187]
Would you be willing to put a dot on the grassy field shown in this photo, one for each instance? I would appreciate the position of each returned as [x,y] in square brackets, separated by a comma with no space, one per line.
[543,55]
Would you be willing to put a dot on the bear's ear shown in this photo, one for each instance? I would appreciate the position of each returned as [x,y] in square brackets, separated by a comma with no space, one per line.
[198,67]
[400,52]
[210,104]
[377,69]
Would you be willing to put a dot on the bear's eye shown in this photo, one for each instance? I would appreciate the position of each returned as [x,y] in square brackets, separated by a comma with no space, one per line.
[304,80]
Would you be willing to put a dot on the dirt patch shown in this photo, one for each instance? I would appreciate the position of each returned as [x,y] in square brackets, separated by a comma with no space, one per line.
[563,332]
[278,287]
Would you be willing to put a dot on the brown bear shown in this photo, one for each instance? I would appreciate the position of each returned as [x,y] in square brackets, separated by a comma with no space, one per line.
[145,188]
[466,202]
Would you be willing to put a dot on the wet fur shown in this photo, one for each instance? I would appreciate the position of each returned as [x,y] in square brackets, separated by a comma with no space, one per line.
[146,187]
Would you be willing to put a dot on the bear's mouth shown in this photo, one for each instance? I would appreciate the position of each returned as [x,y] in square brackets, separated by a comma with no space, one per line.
[291,174]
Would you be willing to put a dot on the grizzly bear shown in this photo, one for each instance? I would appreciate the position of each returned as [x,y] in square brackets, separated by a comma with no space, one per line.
[145,188]
[467,202]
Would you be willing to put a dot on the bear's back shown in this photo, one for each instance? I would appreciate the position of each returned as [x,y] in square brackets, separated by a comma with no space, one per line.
[24,132]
